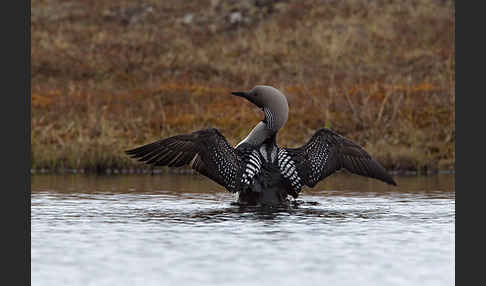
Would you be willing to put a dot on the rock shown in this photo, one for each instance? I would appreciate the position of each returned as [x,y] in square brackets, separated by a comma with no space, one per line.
[188,18]
[235,17]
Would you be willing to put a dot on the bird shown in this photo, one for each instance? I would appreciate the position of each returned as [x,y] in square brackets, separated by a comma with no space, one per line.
[257,170]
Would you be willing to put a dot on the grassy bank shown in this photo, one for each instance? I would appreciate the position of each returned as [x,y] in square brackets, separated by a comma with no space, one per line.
[110,76]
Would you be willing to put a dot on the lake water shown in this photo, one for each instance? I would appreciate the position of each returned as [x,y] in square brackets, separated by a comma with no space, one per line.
[183,230]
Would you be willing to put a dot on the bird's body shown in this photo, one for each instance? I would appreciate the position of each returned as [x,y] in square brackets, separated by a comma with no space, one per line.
[257,169]
[267,177]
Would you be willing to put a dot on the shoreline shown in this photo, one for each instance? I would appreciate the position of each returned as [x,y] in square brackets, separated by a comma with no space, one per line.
[186,171]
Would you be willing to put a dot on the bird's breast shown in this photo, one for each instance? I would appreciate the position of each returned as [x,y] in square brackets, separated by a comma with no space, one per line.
[268,153]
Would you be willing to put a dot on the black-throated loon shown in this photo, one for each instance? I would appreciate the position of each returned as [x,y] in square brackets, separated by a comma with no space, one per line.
[257,169]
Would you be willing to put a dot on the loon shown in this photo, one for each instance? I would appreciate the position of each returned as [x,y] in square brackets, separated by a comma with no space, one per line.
[257,169]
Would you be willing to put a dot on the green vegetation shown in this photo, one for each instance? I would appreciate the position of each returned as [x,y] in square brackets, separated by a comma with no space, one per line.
[108,76]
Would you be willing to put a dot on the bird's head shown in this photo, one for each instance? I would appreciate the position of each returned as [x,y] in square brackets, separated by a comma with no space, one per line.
[273,103]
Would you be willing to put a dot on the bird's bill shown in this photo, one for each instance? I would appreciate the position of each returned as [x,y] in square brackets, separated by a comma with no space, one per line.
[240,93]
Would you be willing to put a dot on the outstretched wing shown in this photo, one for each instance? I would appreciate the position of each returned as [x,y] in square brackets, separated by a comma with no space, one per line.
[206,151]
[327,152]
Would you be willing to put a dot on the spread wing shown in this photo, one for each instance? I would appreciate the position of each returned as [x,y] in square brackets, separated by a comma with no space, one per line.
[327,152]
[206,151]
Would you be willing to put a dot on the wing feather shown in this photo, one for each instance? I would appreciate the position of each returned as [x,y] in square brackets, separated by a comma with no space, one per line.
[327,152]
[206,151]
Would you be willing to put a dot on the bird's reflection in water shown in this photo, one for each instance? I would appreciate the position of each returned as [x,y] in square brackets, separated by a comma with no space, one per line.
[298,209]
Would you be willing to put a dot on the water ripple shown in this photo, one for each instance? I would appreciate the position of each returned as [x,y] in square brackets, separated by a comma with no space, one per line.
[92,235]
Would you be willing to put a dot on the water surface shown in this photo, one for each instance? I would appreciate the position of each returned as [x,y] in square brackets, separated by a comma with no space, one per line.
[184,230]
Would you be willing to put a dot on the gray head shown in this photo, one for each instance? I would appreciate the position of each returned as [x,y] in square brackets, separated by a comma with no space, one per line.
[273,103]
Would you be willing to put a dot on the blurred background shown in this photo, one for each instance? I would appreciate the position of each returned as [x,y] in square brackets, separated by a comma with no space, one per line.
[112,75]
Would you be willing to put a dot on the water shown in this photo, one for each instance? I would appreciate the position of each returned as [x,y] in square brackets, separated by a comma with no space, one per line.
[183,230]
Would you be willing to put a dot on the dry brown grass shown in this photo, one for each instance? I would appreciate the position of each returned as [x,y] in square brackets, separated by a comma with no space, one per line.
[379,72]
